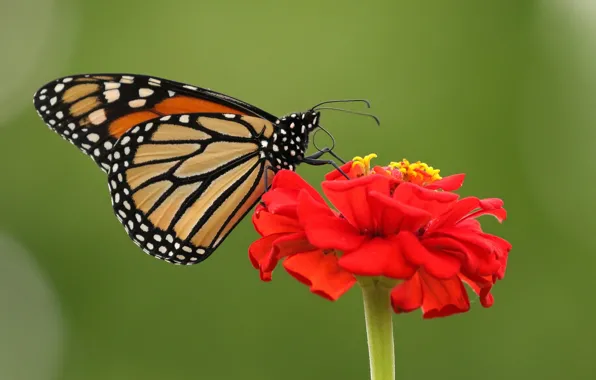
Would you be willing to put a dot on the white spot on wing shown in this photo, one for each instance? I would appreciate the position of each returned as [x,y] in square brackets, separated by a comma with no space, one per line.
[137,103]
[112,95]
[93,137]
[145,92]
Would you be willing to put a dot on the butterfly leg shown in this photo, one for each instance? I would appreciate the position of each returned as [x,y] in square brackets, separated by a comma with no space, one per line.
[314,161]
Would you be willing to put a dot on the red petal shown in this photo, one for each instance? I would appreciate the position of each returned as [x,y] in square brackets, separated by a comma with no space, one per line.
[459,210]
[258,253]
[485,254]
[450,183]
[472,237]
[481,286]
[267,223]
[436,263]
[407,296]
[285,245]
[309,208]
[450,246]
[499,213]
[491,203]
[351,198]
[392,216]
[336,175]
[442,298]
[434,202]
[471,224]
[377,257]
[326,230]
[321,273]
[288,179]
[281,202]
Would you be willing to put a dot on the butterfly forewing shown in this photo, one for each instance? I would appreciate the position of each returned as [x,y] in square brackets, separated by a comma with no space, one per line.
[180,183]
[94,111]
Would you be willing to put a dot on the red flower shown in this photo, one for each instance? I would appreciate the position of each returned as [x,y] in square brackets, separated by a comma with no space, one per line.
[401,222]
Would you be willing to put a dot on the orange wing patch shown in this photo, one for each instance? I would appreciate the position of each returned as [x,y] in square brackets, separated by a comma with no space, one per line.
[186,104]
[170,106]
[119,126]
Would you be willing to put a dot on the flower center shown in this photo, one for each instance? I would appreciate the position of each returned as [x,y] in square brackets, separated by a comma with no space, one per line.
[418,172]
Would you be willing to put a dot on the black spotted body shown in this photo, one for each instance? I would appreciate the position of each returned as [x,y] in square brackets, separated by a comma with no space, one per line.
[288,144]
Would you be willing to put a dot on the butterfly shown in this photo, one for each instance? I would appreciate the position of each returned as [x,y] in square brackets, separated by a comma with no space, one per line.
[184,164]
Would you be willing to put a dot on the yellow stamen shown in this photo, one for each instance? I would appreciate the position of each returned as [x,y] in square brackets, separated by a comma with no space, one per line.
[363,164]
[417,172]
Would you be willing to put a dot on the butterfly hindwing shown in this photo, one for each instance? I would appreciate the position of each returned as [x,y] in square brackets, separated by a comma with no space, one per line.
[180,183]
[93,111]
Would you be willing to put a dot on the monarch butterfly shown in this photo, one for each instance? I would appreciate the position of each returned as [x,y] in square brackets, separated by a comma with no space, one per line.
[185,164]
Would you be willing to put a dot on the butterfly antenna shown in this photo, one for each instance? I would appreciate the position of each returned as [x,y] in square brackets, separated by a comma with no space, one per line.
[343,101]
[352,112]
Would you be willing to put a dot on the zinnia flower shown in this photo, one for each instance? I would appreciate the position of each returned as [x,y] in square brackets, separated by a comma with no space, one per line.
[401,223]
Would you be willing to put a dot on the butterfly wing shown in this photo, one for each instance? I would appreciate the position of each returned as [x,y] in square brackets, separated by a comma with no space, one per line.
[93,111]
[179,184]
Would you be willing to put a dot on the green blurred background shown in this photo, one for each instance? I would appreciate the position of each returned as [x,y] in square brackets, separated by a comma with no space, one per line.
[502,90]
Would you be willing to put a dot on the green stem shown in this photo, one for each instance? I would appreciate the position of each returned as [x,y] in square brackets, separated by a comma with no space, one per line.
[379,328]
